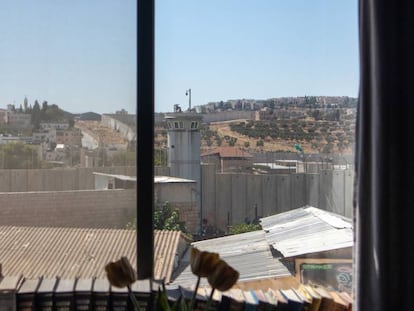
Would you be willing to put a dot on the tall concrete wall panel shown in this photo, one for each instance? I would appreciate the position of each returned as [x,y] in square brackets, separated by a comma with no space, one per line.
[5,180]
[325,194]
[254,194]
[70,179]
[338,192]
[270,195]
[35,180]
[86,179]
[312,189]
[223,200]
[208,190]
[18,180]
[349,193]
[239,210]
[54,180]
[284,196]
[298,190]
[328,190]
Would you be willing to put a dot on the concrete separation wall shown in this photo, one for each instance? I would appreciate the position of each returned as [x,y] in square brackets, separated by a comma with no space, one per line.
[56,179]
[88,208]
[233,198]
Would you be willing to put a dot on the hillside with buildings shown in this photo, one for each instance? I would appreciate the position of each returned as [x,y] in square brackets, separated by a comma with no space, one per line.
[45,136]
[323,124]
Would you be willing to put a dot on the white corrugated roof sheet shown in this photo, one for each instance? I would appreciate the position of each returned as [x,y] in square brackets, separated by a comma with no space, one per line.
[248,253]
[307,230]
[157,179]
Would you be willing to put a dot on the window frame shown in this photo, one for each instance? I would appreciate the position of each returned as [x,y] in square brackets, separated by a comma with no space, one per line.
[145,138]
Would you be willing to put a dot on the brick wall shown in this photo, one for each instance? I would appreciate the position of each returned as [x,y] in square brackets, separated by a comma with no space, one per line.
[87,208]
[190,215]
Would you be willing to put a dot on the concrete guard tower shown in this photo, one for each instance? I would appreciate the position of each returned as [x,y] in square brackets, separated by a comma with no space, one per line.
[184,145]
[184,148]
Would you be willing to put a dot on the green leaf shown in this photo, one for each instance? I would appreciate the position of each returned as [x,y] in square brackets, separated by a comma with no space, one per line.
[162,301]
[180,305]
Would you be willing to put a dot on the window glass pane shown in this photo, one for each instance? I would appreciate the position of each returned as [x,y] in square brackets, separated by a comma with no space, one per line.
[270,93]
[67,137]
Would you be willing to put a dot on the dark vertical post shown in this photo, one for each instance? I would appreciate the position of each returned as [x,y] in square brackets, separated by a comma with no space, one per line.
[255,212]
[145,139]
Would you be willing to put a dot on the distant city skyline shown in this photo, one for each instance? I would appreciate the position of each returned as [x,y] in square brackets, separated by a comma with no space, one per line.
[81,55]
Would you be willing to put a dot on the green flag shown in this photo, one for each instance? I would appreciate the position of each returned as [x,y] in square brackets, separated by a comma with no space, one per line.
[298,148]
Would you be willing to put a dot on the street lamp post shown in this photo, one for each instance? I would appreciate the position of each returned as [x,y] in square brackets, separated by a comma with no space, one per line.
[188,93]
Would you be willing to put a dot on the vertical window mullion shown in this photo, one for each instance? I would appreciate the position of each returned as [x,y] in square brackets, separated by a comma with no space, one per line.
[145,139]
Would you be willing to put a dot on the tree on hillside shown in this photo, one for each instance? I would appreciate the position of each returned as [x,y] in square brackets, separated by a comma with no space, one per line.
[36,115]
[44,106]
[25,104]
[52,113]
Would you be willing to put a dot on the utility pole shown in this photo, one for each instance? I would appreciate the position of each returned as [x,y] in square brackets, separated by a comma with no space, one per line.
[188,93]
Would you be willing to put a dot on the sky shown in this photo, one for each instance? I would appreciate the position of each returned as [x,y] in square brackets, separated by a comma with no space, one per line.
[81,55]
[77,54]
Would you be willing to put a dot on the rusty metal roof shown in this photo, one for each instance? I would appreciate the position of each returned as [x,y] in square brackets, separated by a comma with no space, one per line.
[80,252]
[307,230]
[228,152]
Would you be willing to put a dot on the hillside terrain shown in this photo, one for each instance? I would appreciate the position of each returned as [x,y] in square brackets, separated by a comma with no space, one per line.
[324,124]
[312,136]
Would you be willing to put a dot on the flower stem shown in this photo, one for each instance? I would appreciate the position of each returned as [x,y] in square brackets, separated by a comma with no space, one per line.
[194,294]
[210,299]
[133,299]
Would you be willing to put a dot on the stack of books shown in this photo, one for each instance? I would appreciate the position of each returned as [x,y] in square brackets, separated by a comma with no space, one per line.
[17,293]
[305,297]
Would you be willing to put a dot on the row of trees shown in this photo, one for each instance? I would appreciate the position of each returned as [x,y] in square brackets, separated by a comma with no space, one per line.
[297,130]
[43,112]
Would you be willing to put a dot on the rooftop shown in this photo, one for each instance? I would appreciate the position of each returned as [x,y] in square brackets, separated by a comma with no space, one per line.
[157,179]
[228,152]
[99,132]
[127,119]
[77,252]
[248,253]
[307,230]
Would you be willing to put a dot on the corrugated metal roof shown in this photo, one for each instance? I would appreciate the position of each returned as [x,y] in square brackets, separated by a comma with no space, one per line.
[275,166]
[170,179]
[78,252]
[248,253]
[307,230]
[120,177]
[157,179]
[228,152]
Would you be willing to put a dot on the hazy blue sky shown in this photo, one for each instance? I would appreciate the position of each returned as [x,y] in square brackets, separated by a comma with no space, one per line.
[230,49]
[78,54]
[81,54]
